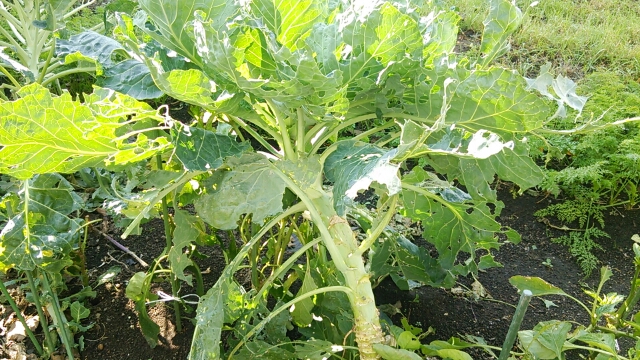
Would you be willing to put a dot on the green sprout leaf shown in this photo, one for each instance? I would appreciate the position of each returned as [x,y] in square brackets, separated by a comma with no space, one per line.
[78,311]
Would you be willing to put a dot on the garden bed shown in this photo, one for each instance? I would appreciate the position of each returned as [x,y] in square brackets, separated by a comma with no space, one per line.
[116,335]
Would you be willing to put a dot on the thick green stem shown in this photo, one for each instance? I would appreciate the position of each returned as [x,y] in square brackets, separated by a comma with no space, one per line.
[634,295]
[301,132]
[43,319]
[16,310]
[342,245]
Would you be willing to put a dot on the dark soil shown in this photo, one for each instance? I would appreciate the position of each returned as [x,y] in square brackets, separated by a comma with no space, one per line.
[116,333]
[489,317]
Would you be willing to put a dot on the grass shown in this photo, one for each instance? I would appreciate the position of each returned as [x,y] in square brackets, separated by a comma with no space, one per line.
[577,36]
[597,44]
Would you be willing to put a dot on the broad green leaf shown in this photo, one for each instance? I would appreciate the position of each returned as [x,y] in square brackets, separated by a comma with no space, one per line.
[418,140]
[407,340]
[130,76]
[188,229]
[209,320]
[606,342]
[443,31]
[204,150]
[275,331]
[513,108]
[377,37]
[353,167]
[172,21]
[43,134]
[289,20]
[389,353]
[503,19]
[78,311]
[546,340]
[537,286]
[405,262]
[453,354]
[42,231]
[453,227]
[477,174]
[89,46]
[251,187]
[261,350]
[301,311]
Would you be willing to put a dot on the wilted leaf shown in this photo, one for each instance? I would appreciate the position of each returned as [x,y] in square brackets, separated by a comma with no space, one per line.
[109,275]
[188,229]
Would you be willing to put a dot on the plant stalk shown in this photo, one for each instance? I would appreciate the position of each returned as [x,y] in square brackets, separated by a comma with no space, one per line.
[43,319]
[61,319]
[339,239]
[515,324]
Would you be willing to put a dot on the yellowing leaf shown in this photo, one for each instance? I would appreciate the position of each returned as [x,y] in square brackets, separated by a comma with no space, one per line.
[42,133]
